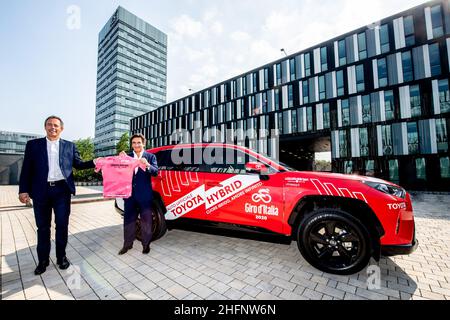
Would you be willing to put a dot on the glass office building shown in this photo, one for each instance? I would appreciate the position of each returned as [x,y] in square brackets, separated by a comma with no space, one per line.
[15,142]
[12,149]
[131,76]
[377,98]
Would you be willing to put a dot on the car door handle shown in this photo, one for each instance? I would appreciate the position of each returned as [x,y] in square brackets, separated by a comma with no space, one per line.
[214,184]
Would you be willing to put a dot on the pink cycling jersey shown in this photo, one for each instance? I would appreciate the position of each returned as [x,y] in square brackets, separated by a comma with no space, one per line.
[117,175]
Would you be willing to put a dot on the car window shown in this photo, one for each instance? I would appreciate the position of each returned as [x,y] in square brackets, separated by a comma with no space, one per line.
[177,160]
[226,160]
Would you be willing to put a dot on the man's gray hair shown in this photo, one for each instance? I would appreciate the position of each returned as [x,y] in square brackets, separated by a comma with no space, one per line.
[54,117]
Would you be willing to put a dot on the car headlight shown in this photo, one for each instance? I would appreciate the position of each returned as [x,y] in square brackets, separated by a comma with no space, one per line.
[387,188]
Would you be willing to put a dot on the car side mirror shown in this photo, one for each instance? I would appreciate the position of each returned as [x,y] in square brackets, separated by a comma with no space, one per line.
[256,167]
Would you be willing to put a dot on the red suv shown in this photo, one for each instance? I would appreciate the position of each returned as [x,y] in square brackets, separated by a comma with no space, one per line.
[339,221]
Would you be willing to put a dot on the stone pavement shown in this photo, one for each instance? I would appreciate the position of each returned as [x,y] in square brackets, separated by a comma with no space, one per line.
[188,265]
[9,195]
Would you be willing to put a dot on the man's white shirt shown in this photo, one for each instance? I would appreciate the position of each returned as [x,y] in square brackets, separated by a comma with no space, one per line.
[54,170]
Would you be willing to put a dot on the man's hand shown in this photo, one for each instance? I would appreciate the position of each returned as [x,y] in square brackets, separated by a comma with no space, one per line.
[96,159]
[24,198]
[144,161]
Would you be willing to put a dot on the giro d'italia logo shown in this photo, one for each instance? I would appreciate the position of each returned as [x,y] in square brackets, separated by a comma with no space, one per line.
[263,195]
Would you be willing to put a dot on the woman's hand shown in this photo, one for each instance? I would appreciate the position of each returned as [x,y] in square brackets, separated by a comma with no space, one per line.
[123,154]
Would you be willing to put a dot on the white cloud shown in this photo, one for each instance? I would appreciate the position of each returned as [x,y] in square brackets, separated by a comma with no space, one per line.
[217,28]
[225,42]
[187,26]
[240,36]
[201,55]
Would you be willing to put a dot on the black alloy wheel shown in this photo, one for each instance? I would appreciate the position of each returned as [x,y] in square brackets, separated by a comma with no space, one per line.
[334,241]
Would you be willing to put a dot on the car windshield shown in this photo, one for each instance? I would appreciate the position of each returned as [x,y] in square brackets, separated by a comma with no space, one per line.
[288,168]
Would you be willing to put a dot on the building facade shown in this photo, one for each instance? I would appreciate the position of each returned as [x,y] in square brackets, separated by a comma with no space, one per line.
[12,149]
[378,98]
[131,76]
[15,142]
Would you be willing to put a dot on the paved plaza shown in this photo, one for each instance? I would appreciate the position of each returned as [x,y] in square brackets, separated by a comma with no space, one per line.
[189,265]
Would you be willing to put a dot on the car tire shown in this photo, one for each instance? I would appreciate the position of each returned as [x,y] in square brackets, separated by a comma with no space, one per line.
[159,227]
[334,241]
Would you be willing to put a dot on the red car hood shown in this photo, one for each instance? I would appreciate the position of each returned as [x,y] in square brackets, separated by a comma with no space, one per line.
[352,177]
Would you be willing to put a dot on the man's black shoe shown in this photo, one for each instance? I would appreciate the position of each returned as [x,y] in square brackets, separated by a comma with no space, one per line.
[124,250]
[146,249]
[63,263]
[41,267]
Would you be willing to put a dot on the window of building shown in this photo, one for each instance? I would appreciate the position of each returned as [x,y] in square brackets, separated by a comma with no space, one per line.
[294,121]
[322,88]
[362,46]
[364,142]
[421,169]
[435,59]
[266,78]
[307,63]
[278,74]
[305,90]
[386,136]
[225,92]
[309,118]
[384,38]
[407,66]
[408,23]
[277,99]
[393,171]
[389,105]
[416,101]
[340,83]
[445,167]
[292,68]
[366,109]
[360,78]
[382,73]
[444,96]
[280,121]
[264,103]
[370,168]
[290,96]
[441,135]
[342,53]
[345,108]
[255,82]
[436,21]
[326,115]
[348,167]
[244,85]
[234,88]
[343,150]
[323,59]
[413,138]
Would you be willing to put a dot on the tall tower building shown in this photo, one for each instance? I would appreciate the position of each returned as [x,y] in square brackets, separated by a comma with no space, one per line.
[131,76]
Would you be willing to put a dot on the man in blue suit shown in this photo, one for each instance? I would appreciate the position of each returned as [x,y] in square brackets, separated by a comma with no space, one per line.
[140,202]
[47,178]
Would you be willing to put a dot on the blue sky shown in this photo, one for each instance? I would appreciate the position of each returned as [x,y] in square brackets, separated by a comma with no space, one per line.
[46,68]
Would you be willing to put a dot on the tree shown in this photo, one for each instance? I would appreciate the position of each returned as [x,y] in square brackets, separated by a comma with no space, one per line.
[86,149]
[322,165]
[124,143]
